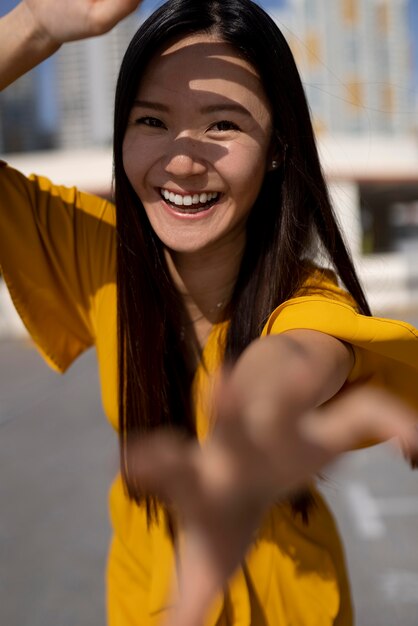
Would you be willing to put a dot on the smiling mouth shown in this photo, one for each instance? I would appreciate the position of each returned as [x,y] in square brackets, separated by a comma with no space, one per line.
[190,203]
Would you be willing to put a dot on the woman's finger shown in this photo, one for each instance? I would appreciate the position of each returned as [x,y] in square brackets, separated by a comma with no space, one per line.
[359,417]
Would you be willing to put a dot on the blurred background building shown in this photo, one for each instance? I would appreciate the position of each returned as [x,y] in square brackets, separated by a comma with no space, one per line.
[67,102]
[359,64]
[355,59]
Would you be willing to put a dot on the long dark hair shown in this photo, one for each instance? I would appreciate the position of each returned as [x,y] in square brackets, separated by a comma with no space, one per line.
[291,218]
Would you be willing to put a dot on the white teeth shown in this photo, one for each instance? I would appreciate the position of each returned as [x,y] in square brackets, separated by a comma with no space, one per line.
[188,200]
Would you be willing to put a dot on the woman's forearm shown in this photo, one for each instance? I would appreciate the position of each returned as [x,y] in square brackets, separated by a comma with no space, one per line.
[23,45]
[293,372]
[35,29]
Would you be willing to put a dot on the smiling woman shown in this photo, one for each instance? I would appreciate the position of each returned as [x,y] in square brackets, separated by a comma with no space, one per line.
[211,137]
[207,263]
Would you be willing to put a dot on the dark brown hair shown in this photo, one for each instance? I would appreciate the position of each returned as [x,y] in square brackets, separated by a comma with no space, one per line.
[291,219]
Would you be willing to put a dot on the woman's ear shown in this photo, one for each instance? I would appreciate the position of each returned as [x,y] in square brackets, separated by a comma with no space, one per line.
[277,154]
[274,164]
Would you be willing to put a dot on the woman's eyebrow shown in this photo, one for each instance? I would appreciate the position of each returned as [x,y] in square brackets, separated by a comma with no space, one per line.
[226,106]
[210,108]
[157,106]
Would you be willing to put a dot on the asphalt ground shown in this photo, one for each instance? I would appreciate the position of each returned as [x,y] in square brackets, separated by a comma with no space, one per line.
[58,456]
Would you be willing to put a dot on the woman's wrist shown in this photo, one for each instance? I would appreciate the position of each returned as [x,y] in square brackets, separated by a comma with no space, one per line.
[23,44]
[34,34]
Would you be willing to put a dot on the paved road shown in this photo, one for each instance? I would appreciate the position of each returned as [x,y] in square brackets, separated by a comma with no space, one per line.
[57,457]
[375,498]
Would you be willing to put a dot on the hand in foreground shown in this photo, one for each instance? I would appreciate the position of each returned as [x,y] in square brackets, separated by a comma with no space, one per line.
[220,491]
[68,20]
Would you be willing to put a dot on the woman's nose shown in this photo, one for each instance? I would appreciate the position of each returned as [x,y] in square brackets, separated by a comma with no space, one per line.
[184,159]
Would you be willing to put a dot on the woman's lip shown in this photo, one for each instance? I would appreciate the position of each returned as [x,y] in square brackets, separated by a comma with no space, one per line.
[187,192]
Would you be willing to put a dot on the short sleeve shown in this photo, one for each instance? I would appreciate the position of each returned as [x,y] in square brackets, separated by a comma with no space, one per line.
[57,248]
[386,350]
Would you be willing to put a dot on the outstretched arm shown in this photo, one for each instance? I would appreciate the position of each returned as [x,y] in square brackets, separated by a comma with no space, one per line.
[270,437]
[35,29]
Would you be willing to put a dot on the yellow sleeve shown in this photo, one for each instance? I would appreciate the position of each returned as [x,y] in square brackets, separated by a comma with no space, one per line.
[386,351]
[56,253]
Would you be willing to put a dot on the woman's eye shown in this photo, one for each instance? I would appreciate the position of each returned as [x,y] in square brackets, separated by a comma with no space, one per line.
[152,122]
[224,125]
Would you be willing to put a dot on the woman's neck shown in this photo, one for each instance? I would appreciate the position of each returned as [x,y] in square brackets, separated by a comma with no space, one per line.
[206,281]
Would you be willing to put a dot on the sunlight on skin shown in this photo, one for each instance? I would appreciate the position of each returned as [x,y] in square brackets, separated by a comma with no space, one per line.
[174,142]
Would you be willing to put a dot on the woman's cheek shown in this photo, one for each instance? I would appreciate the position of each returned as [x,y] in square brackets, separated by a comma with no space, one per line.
[250,167]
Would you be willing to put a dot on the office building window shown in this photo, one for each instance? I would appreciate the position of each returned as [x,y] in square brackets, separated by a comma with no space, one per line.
[382,17]
[313,49]
[355,94]
[350,10]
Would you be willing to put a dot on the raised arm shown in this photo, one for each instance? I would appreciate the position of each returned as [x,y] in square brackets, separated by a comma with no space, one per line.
[35,29]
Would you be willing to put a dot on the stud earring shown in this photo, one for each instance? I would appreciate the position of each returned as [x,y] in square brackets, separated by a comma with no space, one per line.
[274,165]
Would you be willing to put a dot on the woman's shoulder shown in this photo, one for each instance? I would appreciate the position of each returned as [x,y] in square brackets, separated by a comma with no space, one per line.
[320,303]
[41,194]
[386,350]
[322,282]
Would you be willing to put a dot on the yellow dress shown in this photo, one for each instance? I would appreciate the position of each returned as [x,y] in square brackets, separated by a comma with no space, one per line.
[57,255]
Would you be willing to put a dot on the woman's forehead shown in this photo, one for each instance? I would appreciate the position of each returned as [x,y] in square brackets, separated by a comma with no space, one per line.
[202,62]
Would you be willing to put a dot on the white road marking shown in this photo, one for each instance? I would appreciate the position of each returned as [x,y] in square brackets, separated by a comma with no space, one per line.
[400,586]
[365,510]
[368,511]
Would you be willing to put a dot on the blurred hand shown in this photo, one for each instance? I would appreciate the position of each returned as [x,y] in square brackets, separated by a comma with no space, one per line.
[68,20]
[220,491]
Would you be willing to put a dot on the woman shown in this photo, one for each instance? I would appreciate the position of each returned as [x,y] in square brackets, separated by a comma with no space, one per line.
[221,213]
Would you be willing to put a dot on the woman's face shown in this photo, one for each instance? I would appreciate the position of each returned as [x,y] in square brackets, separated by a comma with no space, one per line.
[198,144]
